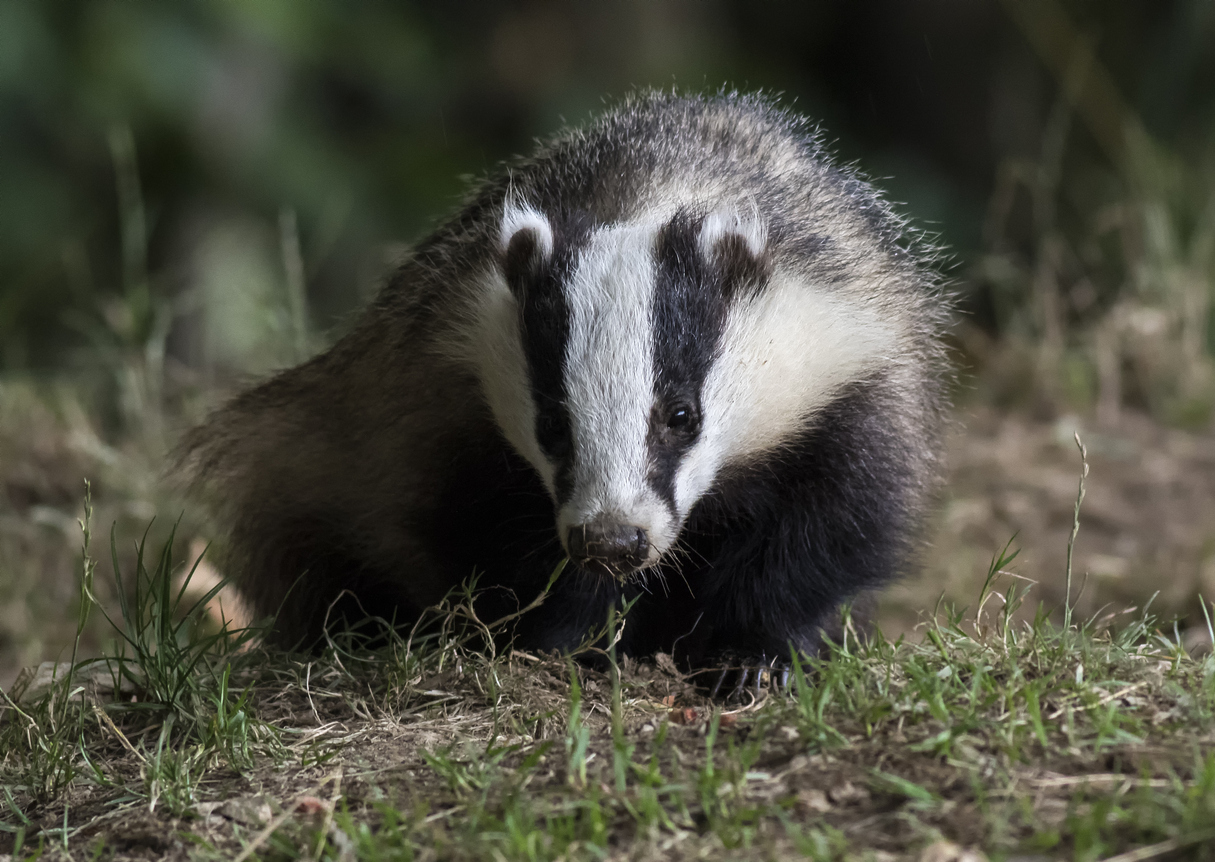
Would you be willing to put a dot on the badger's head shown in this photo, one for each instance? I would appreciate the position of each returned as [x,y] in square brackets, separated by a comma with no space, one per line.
[630,363]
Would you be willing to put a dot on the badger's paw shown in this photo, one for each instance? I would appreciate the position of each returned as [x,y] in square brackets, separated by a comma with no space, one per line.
[736,678]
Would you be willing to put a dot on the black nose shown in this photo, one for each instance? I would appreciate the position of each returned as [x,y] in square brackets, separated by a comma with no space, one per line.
[613,549]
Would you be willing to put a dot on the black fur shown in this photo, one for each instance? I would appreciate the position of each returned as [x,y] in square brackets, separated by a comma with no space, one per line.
[691,298]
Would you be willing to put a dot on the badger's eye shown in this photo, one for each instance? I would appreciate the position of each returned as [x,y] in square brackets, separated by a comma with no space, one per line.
[683,420]
[552,433]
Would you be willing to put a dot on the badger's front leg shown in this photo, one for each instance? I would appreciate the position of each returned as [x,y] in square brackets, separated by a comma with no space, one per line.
[777,581]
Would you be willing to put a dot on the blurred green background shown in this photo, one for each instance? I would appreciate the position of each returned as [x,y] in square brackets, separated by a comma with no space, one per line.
[193,193]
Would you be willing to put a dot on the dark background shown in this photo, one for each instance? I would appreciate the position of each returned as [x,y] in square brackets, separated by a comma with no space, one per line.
[366,119]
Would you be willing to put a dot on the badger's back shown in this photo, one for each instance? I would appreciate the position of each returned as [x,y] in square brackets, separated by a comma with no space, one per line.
[404,458]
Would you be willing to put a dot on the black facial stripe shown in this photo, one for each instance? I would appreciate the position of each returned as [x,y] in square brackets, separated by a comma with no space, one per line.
[544,322]
[691,299]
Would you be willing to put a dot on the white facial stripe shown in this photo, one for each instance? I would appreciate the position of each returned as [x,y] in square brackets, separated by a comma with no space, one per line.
[785,353]
[497,349]
[520,216]
[609,385]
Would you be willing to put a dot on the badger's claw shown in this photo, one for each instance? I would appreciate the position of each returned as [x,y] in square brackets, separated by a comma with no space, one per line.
[740,678]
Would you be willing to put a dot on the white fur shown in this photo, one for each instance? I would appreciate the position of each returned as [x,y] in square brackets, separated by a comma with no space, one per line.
[519,216]
[719,223]
[495,346]
[610,385]
[785,353]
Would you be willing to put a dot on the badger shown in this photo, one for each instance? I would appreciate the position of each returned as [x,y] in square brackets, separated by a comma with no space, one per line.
[679,347]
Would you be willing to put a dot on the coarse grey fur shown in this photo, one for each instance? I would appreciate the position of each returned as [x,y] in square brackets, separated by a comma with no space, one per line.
[380,467]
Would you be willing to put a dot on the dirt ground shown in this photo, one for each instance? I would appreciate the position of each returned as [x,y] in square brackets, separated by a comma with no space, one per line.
[1147,524]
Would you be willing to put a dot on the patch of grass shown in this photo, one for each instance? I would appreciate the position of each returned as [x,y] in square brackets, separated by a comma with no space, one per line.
[51,731]
[179,676]
[960,736]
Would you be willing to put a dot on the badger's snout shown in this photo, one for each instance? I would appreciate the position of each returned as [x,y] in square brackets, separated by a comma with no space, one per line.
[608,548]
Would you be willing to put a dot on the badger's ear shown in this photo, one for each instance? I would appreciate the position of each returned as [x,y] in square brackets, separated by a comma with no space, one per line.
[737,245]
[526,242]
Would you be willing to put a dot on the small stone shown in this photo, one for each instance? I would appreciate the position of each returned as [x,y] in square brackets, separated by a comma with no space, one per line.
[948,851]
[247,810]
[847,793]
[812,801]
